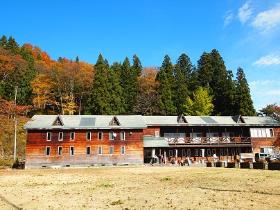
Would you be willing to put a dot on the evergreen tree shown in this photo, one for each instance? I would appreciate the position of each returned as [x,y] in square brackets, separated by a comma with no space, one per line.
[129,82]
[212,74]
[219,84]
[243,100]
[125,83]
[3,42]
[166,81]
[12,45]
[99,101]
[182,76]
[116,90]
[205,70]
[136,66]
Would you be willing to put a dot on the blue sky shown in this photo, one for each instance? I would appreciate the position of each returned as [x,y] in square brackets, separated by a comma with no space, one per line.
[247,33]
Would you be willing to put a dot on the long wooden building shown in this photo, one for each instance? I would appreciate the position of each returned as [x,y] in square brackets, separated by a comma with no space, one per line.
[75,140]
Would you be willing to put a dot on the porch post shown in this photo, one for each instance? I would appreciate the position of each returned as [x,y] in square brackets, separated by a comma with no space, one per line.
[164,156]
[176,155]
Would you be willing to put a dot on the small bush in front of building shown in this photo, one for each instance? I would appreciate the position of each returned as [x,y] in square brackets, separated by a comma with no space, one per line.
[274,165]
[219,164]
[208,164]
[18,164]
[245,165]
[231,165]
[258,165]
[6,163]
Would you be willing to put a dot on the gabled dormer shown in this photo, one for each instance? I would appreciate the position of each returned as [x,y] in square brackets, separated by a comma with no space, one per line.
[181,119]
[114,122]
[58,121]
[238,119]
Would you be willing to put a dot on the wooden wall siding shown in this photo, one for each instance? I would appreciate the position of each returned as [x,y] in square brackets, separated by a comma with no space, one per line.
[36,145]
[257,143]
[150,131]
[277,134]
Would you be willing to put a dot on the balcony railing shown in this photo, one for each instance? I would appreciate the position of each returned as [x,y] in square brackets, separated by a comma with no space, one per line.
[209,140]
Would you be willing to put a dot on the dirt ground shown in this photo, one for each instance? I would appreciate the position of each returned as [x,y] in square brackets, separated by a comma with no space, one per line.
[142,187]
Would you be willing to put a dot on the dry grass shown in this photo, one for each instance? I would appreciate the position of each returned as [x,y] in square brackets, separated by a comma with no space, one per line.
[140,188]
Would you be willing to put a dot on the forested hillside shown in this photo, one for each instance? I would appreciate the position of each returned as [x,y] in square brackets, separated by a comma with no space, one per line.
[65,86]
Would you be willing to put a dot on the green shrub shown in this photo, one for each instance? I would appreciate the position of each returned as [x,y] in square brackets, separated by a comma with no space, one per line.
[245,165]
[259,165]
[231,165]
[6,163]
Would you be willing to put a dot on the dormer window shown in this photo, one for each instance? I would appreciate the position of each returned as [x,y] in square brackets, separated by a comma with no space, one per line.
[181,119]
[58,121]
[114,122]
[238,119]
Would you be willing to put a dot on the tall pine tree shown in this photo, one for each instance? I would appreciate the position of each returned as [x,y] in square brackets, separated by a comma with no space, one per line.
[213,75]
[99,100]
[243,100]
[182,76]
[166,84]
[116,90]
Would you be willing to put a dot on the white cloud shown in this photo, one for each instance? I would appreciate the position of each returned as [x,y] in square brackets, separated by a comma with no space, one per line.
[273,93]
[228,18]
[268,60]
[244,12]
[267,20]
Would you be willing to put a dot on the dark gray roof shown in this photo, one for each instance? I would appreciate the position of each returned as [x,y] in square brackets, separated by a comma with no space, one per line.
[138,121]
[86,122]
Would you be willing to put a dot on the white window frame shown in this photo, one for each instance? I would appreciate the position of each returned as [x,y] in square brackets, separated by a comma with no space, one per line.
[261,132]
[122,136]
[70,151]
[46,149]
[49,134]
[87,150]
[156,133]
[60,133]
[72,132]
[123,150]
[58,150]
[101,133]
[112,146]
[111,134]
[88,132]
[100,152]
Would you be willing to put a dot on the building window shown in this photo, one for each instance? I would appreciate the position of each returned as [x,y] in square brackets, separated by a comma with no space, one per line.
[100,135]
[88,135]
[156,133]
[59,151]
[123,135]
[261,132]
[60,136]
[111,150]
[49,136]
[100,150]
[122,150]
[72,135]
[111,135]
[88,151]
[72,151]
[271,132]
[48,151]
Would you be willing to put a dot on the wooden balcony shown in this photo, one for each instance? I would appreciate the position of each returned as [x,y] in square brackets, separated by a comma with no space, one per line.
[208,140]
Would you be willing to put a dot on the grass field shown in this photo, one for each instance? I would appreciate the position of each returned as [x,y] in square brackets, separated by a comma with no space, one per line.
[142,187]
